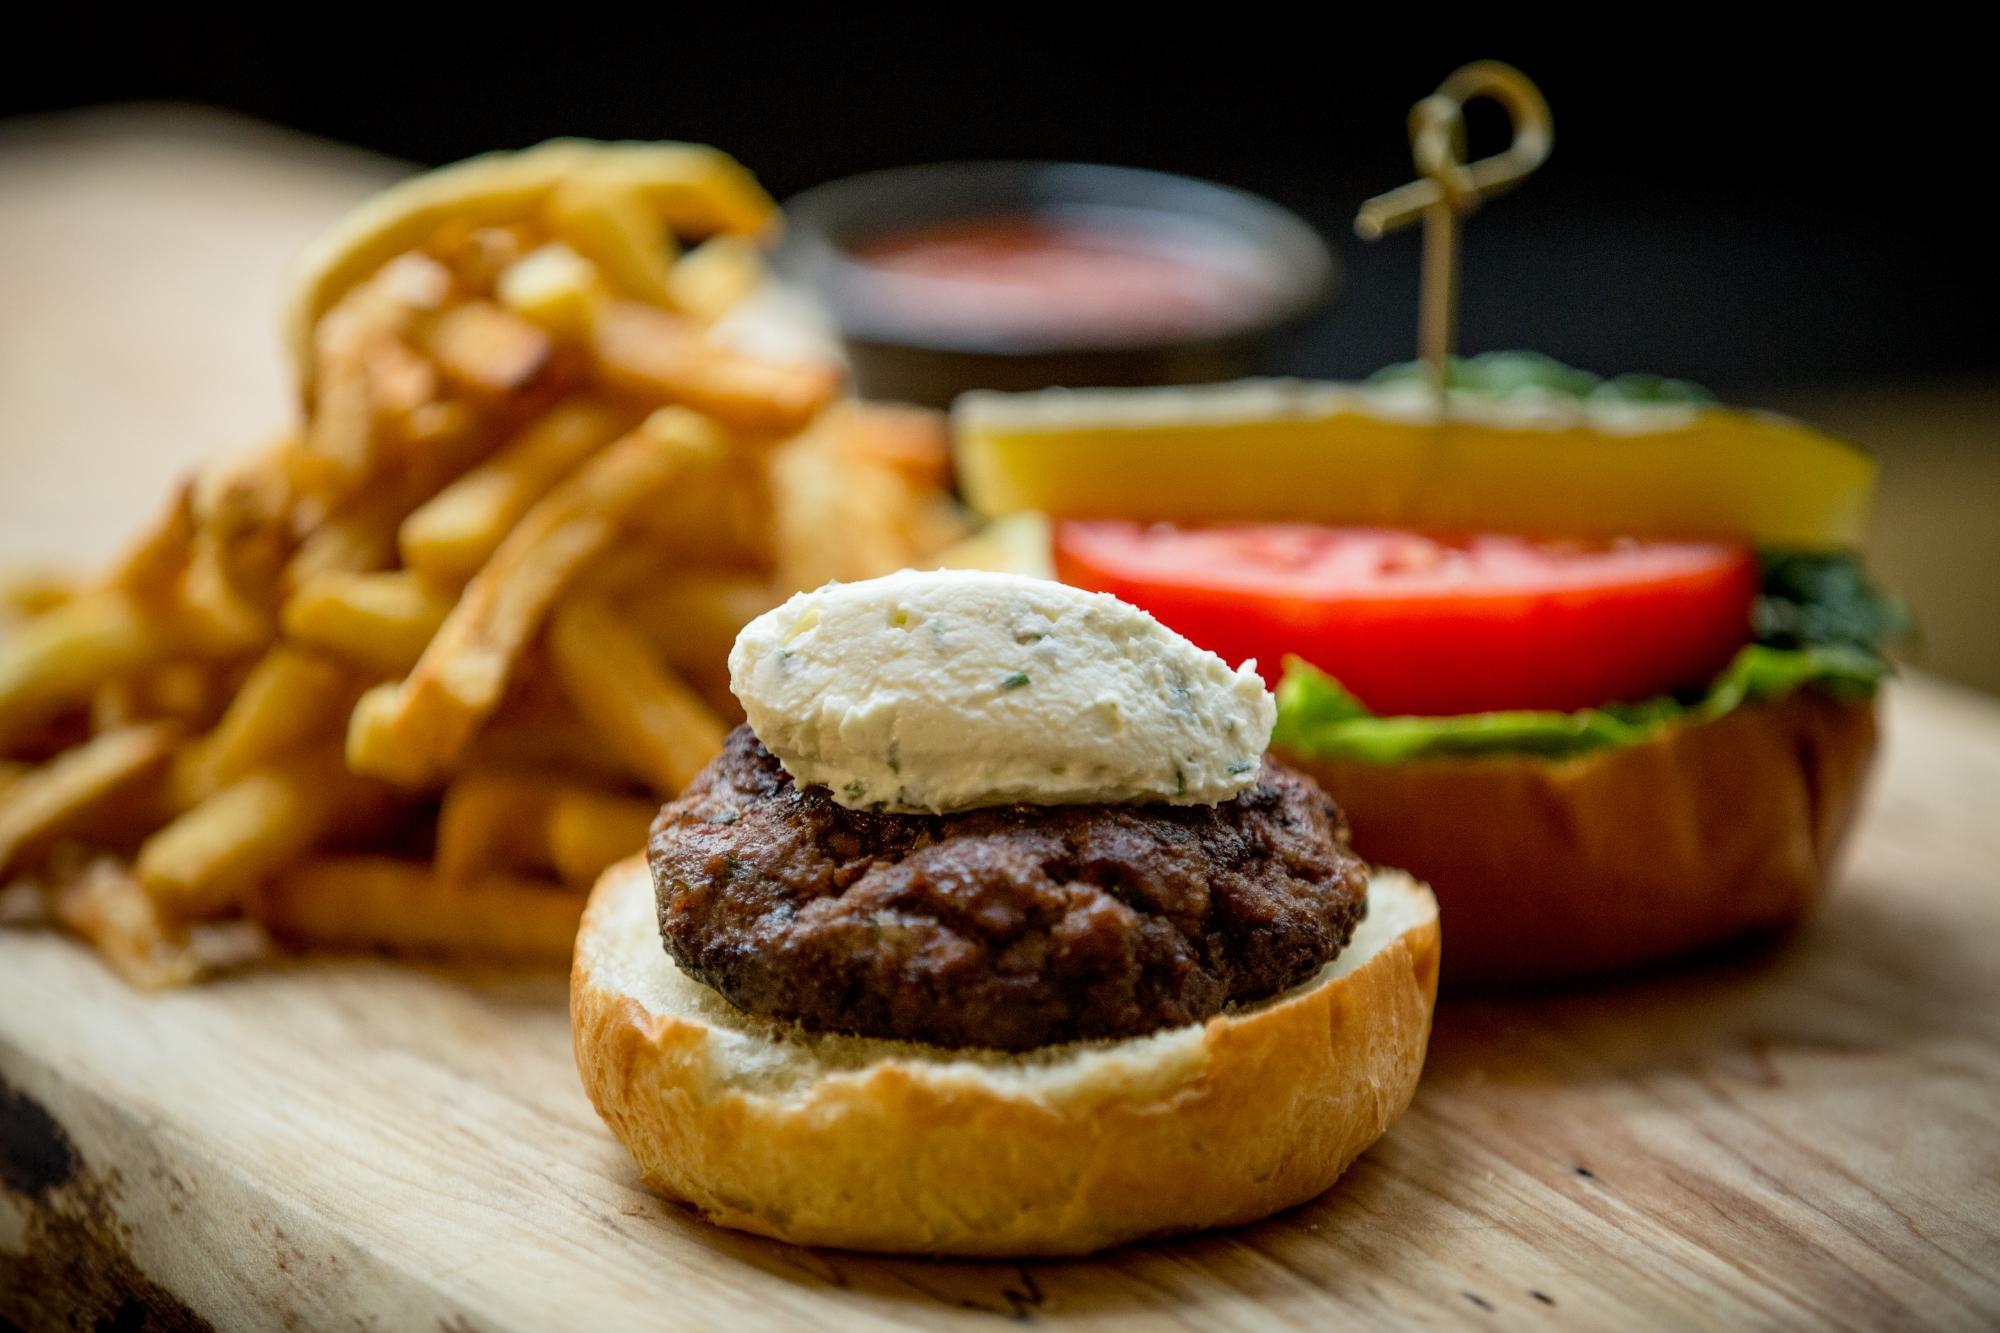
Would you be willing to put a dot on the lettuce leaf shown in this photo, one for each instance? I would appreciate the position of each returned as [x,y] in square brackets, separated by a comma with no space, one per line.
[1316,716]
[1502,374]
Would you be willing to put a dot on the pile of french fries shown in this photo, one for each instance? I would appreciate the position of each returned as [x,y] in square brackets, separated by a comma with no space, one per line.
[409,678]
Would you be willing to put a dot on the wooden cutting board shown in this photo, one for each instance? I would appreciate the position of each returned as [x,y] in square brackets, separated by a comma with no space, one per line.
[1806,1134]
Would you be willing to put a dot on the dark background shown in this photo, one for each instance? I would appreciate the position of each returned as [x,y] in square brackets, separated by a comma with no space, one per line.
[1756,217]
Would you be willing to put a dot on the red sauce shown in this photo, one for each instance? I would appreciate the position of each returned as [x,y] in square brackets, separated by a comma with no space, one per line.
[1079,280]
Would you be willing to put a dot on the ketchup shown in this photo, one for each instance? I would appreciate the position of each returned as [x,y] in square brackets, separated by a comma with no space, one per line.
[1074,279]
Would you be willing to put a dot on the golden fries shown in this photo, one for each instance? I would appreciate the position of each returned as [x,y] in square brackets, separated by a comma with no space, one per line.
[479,601]
[420,729]
[104,904]
[588,832]
[375,902]
[488,820]
[536,729]
[289,698]
[483,348]
[654,723]
[714,277]
[379,622]
[520,821]
[44,802]
[608,222]
[457,530]
[27,593]
[691,621]
[694,190]
[912,442]
[554,286]
[58,659]
[646,351]
[203,862]
[840,512]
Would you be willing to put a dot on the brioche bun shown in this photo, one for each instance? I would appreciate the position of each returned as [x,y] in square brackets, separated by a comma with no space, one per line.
[867,1144]
[1553,868]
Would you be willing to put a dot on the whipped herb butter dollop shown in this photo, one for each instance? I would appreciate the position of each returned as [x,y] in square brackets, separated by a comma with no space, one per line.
[954,689]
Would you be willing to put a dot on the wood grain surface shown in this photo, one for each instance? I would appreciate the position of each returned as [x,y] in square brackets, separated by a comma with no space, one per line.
[1805,1133]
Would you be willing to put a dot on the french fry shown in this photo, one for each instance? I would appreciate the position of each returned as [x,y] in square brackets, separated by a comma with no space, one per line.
[58,660]
[537,729]
[647,351]
[523,821]
[193,693]
[590,831]
[213,590]
[289,698]
[653,722]
[356,538]
[245,495]
[455,532]
[695,190]
[376,902]
[479,255]
[489,820]
[105,905]
[206,860]
[720,517]
[609,223]
[360,378]
[380,622]
[556,287]
[913,442]
[360,535]
[376,743]
[402,383]
[482,348]
[714,277]
[420,729]
[849,498]
[340,446]
[242,510]
[27,593]
[51,800]
[833,518]
[151,566]
[691,619]
[115,704]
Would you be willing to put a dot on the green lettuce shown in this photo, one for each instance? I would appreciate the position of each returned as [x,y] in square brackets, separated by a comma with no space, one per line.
[1316,716]
[1502,374]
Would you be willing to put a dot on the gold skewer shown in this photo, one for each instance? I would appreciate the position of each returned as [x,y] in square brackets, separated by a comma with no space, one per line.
[1450,187]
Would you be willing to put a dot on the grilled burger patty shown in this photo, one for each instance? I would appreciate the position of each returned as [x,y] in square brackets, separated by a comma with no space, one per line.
[1014,927]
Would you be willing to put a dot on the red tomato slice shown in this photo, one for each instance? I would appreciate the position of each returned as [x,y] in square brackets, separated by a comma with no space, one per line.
[1417,624]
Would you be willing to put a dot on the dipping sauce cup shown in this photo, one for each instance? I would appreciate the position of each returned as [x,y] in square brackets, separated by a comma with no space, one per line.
[1023,275]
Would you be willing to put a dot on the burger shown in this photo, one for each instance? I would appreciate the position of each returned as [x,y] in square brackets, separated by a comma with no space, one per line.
[1595,658]
[995,931]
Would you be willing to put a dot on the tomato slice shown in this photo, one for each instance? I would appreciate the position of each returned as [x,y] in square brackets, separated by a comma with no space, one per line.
[1433,625]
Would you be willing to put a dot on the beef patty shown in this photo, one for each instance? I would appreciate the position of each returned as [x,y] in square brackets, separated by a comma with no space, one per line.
[1012,927]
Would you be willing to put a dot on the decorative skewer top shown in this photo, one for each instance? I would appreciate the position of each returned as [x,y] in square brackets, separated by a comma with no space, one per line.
[1449,186]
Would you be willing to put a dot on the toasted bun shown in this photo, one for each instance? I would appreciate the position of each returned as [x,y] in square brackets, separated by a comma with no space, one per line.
[880,1145]
[1553,868]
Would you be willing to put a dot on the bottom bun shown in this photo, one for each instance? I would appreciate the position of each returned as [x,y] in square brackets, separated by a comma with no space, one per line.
[1552,868]
[867,1144]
